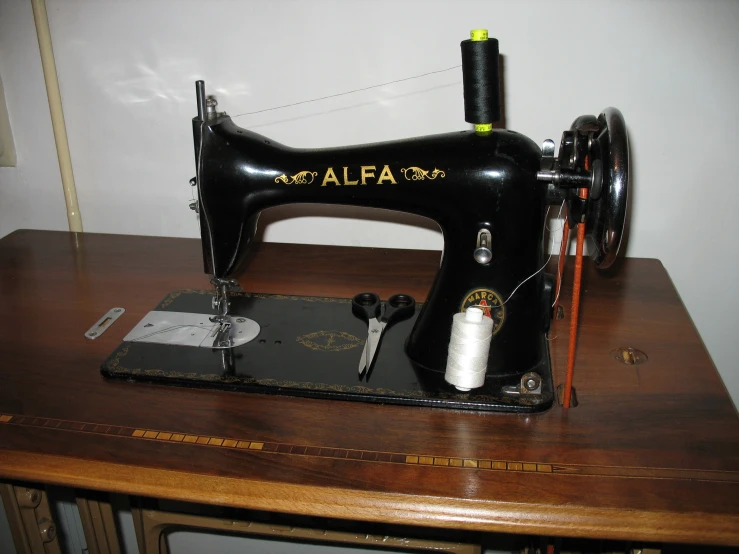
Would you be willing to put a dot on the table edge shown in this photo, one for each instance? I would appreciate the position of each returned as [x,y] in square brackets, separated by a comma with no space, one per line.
[380,507]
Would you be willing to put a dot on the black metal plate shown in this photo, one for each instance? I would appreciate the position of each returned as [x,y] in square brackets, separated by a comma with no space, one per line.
[310,346]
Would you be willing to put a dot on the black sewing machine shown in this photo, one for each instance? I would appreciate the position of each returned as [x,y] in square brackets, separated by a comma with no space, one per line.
[487,189]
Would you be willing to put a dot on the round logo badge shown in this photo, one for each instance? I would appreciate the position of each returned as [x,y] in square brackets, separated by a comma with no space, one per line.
[489,302]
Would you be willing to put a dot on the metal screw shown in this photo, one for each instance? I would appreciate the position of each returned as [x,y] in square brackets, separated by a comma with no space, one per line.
[240,319]
[28,498]
[47,529]
[530,382]
[210,107]
[117,310]
[93,334]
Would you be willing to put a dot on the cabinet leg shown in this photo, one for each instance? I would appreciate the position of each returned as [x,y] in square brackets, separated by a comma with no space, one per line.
[98,523]
[30,519]
[150,537]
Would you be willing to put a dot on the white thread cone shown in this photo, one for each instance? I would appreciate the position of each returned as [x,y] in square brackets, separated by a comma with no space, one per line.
[469,347]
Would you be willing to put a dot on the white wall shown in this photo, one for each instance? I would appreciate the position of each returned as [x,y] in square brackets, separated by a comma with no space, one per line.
[30,193]
[127,71]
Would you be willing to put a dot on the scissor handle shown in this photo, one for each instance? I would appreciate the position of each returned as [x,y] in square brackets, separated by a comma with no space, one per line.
[399,306]
[366,305]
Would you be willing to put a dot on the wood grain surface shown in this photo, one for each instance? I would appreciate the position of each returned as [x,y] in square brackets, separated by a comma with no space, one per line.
[650,453]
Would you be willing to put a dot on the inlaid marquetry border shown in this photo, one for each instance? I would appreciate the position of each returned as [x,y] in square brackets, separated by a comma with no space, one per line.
[408,459]
[172,295]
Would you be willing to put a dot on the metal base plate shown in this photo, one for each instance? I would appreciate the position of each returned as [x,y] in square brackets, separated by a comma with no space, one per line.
[309,346]
[188,329]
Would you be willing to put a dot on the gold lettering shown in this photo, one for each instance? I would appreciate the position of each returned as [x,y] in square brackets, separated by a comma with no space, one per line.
[330,177]
[346,177]
[477,296]
[366,173]
[386,175]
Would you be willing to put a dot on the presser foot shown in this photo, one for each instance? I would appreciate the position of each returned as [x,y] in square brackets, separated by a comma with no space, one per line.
[222,336]
[221,301]
[221,332]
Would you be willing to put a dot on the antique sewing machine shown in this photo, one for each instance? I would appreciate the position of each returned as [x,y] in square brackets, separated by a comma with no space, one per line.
[488,190]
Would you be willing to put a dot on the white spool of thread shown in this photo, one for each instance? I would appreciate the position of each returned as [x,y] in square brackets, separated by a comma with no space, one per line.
[469,346]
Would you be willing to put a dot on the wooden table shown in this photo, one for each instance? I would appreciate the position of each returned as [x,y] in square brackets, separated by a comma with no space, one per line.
[651,453]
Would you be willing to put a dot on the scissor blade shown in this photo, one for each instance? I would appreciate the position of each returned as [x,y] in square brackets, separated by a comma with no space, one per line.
[373,339]
[363,359]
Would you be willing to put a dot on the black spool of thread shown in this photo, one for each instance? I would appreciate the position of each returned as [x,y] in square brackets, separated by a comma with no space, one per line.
[480,78]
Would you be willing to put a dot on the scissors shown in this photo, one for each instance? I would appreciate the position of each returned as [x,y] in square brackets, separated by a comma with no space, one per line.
[367,305]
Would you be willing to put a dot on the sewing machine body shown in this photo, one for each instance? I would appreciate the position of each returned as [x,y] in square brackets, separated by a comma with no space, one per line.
[488,190]
[466,182]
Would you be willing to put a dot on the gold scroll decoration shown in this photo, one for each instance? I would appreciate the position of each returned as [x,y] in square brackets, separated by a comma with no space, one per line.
[300,178]
[414,173]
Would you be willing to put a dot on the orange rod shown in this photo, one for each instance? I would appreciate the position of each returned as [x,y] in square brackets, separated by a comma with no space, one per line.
[575,307]
[550,549]
[561,262]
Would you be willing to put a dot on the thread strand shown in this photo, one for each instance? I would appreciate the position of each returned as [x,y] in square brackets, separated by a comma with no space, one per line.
[347,92]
